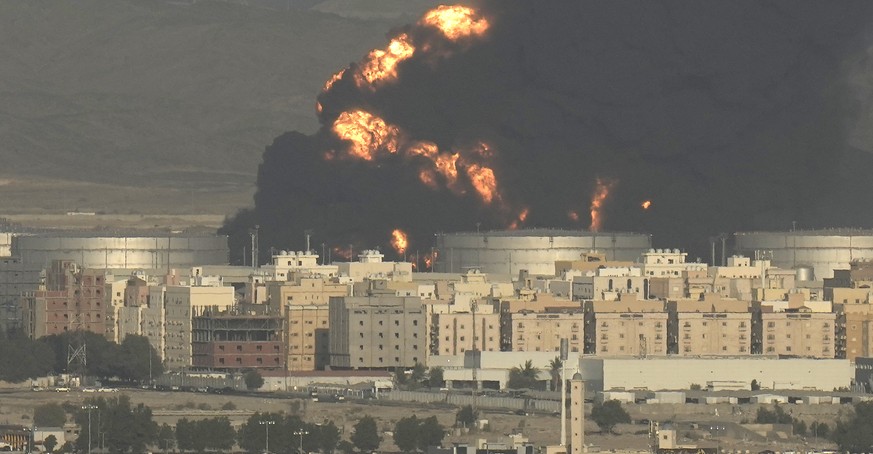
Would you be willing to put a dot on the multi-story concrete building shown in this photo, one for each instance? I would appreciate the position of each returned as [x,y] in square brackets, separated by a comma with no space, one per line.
[73,299]
[608,284]
[303,303]
[798,333]
[854,331]
[667,263]
[628,327]
[16,278]
[543,331]
[711,327]
[370,265]
[456,332]
[307,336]
[377,332]
[180,303]
[234,341]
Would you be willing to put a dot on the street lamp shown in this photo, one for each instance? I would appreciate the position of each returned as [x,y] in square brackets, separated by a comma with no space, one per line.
[301,432]
[89,408]
[715,430]
[267,425]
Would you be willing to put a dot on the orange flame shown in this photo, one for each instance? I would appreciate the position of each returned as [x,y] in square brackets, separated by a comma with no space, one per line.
[333,79]
[483,180]
[646,204]
[344,253]
[456,21]
[573,215]
[381,64]
[522,216]
[367,133]
[601,192]
[399,241]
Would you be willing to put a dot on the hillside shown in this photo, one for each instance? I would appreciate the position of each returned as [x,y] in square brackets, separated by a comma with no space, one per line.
[133,96]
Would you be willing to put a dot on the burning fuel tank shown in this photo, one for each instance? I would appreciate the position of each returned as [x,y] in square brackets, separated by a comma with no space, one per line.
[536,250]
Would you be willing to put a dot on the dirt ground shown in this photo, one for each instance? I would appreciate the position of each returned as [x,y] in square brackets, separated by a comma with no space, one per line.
[16,407]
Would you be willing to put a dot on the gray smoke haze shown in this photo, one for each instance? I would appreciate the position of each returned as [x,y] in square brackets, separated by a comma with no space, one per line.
[726,115]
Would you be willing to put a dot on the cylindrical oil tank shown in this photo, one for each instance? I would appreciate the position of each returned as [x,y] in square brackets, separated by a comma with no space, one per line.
[536,250]
[122,252]
[823,250]
[804,273]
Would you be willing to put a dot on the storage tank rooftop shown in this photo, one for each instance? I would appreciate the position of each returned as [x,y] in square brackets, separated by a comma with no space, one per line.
[837,231]
[541,232]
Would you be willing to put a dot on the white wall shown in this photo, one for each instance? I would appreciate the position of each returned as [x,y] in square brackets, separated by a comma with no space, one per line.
[670,374]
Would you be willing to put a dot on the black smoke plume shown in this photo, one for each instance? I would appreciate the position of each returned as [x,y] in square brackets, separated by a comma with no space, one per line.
[726,115]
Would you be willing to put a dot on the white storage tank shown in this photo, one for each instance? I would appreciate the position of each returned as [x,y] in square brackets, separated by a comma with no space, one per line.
[536,250]
[100,250]
[823,250]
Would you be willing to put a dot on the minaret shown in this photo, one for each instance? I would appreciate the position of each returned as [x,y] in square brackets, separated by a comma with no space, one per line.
[577,414]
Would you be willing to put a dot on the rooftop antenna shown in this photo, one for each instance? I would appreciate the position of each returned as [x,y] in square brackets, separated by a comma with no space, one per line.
[308,233]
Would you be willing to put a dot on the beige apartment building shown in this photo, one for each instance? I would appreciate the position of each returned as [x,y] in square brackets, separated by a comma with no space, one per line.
[456,332]
[180,305]
[307,336]
[542,332]
[855,328]
[798,333]
[712,326]
[609,284]
[628,327]
[73,299]
[370,265]
[377,332]
[303,302]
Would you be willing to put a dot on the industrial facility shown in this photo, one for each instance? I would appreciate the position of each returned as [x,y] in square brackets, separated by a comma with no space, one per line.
[134,251]
[823,250]
[536,251]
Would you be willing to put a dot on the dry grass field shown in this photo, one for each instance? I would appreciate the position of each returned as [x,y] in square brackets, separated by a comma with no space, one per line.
[16,407]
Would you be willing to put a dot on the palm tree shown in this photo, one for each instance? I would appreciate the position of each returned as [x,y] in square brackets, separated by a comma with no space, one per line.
[555,371]
[524,376]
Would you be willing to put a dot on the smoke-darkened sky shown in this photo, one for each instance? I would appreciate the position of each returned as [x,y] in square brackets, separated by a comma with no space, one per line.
[725,115]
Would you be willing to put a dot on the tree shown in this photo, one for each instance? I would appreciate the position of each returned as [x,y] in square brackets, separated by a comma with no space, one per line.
[50,442]
[413,434]
[345,447]
[133,362]
[855,433]
[22,358]
[366,436]
[126,428]
[555,366]
[49,415]
[430,433]
[253,380]
[799,427]
[776,416]
[755,385]
[524,376]
[328,437]
[819,429]
[166,437]
[608,414]
[466,416]
[435,377]
[406,433]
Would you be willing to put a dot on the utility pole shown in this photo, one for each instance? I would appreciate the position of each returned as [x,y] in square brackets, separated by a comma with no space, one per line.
[89,408]
[301,432]
[565,347]
[267,425]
